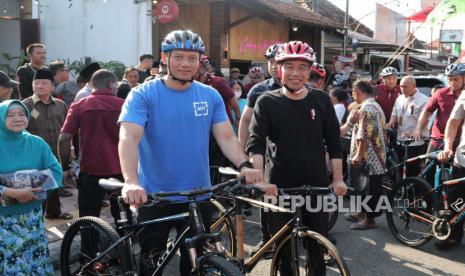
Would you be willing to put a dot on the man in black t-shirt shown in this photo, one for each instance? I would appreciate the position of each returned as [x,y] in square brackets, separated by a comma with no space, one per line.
[25,73]
[290,129]
[144,66]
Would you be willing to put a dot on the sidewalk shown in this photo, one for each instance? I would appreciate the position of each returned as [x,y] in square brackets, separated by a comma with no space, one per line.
[56,228]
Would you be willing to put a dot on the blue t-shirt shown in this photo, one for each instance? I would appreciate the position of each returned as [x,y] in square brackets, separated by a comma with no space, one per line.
[173,152]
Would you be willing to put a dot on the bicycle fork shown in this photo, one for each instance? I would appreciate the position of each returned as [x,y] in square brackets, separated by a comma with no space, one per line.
[200,237]
[295,249]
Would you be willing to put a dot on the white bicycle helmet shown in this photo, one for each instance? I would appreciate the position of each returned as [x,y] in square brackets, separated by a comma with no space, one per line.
[389,71]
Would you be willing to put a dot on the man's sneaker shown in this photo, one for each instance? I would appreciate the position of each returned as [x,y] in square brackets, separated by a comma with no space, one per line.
[268,254]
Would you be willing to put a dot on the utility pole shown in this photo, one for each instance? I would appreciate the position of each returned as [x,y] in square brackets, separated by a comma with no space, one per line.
[407,54]
[346,29]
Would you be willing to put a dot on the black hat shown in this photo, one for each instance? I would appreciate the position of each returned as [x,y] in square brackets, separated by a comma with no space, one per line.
[89,70]
[43,74]
[5,81]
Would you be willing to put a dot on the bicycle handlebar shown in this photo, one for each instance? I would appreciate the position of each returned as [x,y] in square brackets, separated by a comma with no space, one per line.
[199,192]
[309,190]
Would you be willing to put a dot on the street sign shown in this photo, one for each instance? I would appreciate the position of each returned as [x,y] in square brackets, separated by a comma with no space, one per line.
[451,36]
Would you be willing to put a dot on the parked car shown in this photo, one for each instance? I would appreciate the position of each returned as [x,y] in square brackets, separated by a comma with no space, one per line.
[426,82]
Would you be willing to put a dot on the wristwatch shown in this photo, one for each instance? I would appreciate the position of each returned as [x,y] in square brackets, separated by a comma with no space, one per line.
[246,164]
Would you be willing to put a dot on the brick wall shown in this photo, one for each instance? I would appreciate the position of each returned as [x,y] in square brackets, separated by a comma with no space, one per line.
[219,18]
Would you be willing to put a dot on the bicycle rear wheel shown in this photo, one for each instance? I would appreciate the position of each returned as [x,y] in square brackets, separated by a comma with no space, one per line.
[331,259]
[411,203]
[85,239]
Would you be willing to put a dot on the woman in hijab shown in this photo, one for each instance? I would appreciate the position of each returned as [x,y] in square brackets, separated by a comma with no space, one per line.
[23,241]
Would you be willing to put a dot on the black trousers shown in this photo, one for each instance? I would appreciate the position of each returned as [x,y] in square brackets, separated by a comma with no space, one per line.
[414,168]
[153,239]
[91,195]
[455,193]
[317,222]
[374,189]
[51,207]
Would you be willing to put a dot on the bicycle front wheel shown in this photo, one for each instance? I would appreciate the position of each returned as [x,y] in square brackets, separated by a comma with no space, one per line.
[216,265]
[412,204]
[222,222]
[329,263]
[87,238]
[333,215]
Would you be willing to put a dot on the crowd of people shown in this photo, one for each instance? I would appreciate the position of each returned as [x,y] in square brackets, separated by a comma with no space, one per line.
[165,123]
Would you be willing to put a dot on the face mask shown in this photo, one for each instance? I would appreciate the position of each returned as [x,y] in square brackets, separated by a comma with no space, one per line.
[238,94]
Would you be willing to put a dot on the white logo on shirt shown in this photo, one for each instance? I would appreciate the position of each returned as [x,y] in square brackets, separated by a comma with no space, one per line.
[200,109]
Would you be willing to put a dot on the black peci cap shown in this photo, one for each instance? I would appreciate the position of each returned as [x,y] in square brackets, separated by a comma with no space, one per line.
[89,70]
[43,74]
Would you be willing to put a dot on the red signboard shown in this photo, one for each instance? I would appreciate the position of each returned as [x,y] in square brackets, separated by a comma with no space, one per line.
[166,11]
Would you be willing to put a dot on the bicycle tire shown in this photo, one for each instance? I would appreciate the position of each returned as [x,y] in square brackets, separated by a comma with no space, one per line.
[227,226]
[322,241]
[106,231]
[214,263]
[405,191]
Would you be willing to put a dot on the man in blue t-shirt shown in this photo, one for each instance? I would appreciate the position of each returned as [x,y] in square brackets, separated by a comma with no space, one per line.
[164,137]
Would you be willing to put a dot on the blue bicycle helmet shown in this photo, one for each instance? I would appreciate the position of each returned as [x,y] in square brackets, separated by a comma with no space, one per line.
[272,50]
[455,69]
[182,40]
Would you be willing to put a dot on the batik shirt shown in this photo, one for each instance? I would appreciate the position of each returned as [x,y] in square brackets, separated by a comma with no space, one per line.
[371,127]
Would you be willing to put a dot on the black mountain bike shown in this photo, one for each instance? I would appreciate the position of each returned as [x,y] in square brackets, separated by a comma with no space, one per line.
[102,251]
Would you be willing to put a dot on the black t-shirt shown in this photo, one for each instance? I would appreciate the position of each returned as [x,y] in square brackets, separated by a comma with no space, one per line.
[260,88]
[293,135]
[26,74]
[142,76]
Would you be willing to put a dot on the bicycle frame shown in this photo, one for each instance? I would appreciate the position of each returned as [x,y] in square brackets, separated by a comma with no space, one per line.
[195,223]
[132,229]
[429,219]
[293,224]
[428,167]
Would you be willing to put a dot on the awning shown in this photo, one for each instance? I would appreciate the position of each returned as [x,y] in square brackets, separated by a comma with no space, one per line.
[425,63]
[421,15]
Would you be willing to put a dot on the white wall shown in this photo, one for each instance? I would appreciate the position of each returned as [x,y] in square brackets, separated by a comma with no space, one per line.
[10,41]
[104,30]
